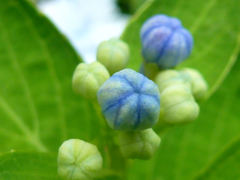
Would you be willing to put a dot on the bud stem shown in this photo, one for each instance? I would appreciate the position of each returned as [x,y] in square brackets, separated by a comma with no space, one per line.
[114,162]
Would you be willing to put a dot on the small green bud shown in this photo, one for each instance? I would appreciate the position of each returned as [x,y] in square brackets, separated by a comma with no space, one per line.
[88,78]
[178,105]
[168,78]
[198,84]
[113,54]
[139,144]
[78,160]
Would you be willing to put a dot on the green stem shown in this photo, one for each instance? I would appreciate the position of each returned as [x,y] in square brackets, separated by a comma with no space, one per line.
[114,161]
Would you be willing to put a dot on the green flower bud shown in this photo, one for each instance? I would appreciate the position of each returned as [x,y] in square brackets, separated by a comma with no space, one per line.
[168,78]
[178,105]
[88,78]
[139,144]
[198,84]
[78,160]
[113,54]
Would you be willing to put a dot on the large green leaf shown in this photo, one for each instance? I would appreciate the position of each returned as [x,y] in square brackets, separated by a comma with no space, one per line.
[215,25]
[28,166]
[38,109]
[226,165]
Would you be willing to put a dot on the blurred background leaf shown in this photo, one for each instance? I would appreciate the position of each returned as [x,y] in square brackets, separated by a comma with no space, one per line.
[225,165]
[38,109]
[129,6]
[28,166]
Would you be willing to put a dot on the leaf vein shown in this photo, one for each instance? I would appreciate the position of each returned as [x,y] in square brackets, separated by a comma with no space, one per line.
[53,73]
[22,78]
[202,16]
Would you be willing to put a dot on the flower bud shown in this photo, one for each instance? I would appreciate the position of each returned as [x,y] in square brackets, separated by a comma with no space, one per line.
[113,54]
[139,144]
[198,84]
[129,101]
[88,78]
[178,105]
[167,78]
[78,160]
[165,41]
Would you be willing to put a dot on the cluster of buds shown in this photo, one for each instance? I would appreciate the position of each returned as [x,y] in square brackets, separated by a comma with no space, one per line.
[178,93]
[130,101]
[165,44]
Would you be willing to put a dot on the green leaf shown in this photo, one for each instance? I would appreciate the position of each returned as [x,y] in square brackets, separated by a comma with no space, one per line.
[215,26]
[225,165]
[38,109]
[28,166]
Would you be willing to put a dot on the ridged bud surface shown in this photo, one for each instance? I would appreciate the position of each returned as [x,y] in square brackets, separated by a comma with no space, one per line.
[165,41]
[113,54]
[139,144]
[129,101]
[168,78]
[88,78]
[178,105]
[198,84]
[78,160]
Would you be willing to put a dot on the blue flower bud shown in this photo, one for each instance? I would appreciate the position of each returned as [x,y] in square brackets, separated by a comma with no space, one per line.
[165,41]
[129,101]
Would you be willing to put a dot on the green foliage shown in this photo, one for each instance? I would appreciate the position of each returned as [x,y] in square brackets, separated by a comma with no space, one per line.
[28,166]
[38,109]
[225,165]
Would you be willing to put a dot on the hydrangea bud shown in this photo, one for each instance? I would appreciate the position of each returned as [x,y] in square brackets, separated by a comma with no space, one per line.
[165,41]
[168,78]
[129,101]
[178,105]
[113,54]
[139,144]
[78,160]
[88,78]
[198,84]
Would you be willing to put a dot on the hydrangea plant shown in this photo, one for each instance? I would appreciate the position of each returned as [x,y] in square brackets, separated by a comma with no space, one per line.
[40,111]
[131,103]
